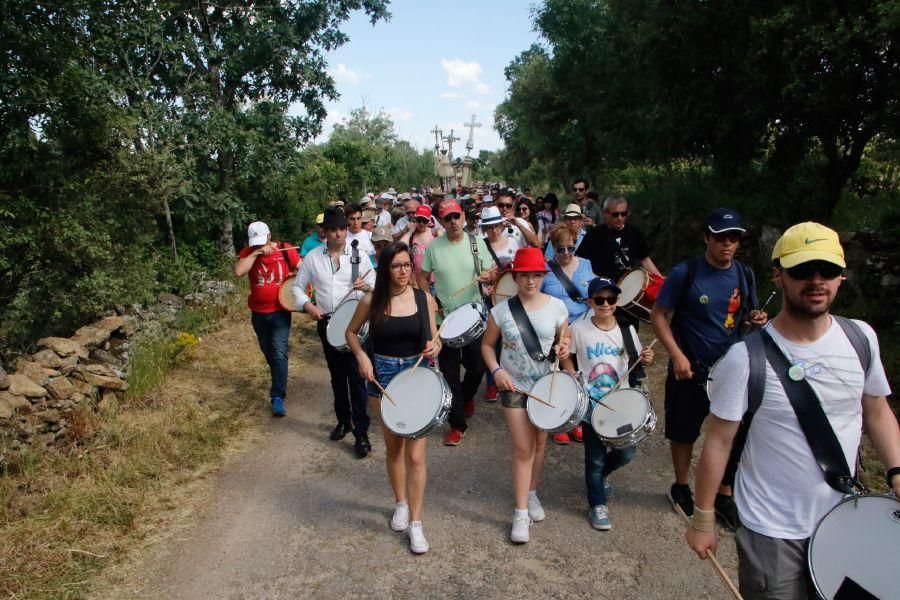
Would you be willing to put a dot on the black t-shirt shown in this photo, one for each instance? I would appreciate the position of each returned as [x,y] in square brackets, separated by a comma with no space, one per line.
[612,252]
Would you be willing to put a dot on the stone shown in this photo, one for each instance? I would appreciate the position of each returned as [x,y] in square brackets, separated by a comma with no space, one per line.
[4,379]
[33,371]
[63,346]
[20,385]
[17,402]
[109,402]
[6,409]
[47,438]
[104,356]
[60,387]
[83,387]
[170,300]
[110,324]
[101,369]
[104,381]
[47,358]
[48,416]
[90,337]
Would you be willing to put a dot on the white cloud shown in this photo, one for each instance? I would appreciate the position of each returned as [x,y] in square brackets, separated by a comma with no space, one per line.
[472,104]
[399,114]
[450,96]
[482,88]
[460,72]
[346,75]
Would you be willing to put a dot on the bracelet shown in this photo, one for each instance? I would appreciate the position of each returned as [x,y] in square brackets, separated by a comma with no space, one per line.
[704,520]
[890,475]
[495,370]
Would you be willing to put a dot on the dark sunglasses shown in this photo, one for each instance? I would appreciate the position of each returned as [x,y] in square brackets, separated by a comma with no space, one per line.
[565,249]
[451,217]
[524,207]
[808,269]
[721,238]
[504,205]
[579,189]
[601,300]
[421,219]
[619,213]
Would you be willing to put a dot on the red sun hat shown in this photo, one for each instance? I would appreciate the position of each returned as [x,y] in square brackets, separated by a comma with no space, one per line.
[448,207]
[423,211]
[529,260]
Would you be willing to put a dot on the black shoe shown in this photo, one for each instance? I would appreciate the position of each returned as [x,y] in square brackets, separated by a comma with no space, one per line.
[339,432]
[727,511]
[362,446]
[680,495]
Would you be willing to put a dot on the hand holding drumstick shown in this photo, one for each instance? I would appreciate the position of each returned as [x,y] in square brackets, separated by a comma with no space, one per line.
[432,349]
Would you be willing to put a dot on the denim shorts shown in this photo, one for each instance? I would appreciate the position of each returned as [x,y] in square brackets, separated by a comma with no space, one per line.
[386,367]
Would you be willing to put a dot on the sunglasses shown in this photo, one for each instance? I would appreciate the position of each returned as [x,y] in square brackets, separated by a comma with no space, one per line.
[732,238]
[523,208]
[809,269]
[618,213]
[421,219]
[504,205]
[579,189]
[451,217]
[565,249]
[601,300]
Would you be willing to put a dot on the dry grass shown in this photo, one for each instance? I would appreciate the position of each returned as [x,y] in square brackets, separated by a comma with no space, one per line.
[69,513]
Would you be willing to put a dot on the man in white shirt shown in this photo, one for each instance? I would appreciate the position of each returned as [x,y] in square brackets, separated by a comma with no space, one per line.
[330,270]
[781,491]
[407,223]
[383,214]
[517,228]
[355,231]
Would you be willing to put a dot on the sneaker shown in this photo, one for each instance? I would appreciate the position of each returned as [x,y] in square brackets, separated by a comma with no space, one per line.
[278,406]
[535,510]
[599,517]
[727,511]
[490,394]
[400,520]
[681,495]
[454,437]
[520,533]
[561,438]
[417,542]
[469,408]
[607,488]
[576,434]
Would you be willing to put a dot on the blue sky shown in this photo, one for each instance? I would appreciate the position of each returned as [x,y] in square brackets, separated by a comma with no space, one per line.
[432,63]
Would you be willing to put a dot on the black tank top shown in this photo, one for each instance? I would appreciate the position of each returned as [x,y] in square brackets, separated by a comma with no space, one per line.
[399,336]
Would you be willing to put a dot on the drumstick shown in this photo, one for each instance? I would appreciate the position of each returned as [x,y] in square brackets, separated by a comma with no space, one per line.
[351,289]
[633,367]
[766,303]
[533,397]
[553,376]
[463,288]
[726,581]
[421,356]
[384,391]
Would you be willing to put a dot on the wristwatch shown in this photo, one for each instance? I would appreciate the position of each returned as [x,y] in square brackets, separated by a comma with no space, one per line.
[890,475]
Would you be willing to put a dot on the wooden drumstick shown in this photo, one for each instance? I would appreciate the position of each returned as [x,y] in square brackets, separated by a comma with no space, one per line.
[533,397]
[421,356]
[633,367]
[384,391]
[465,287]
[717,567]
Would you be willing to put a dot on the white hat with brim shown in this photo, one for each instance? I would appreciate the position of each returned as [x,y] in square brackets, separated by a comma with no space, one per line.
[490,215]
[257,233]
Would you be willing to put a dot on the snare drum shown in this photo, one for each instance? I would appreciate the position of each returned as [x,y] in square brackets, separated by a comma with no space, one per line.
[423,402]
[285,297]
[570,403]
[854,548]
[504,289]
[636,298]
[630,421]
[336,332]
[464,325]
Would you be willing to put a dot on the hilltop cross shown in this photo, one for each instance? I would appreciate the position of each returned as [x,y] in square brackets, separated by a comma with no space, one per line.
[438,134]
[470,143]
[450,139]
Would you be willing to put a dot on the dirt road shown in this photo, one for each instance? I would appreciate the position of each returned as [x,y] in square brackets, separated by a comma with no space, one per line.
[299,516]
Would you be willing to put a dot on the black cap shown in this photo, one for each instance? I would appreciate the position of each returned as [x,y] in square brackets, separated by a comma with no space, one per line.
[334,218]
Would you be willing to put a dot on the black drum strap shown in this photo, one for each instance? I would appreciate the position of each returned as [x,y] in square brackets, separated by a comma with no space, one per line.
[567,283]
[494,256]
[526,330]
[424,320]
[473,244]
[354,262]
[638,374]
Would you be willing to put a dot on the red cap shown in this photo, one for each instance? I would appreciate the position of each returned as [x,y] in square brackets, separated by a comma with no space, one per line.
[529,260]
[423,211]
[448,207]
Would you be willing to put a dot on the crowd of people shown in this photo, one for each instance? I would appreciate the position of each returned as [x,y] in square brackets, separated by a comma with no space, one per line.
[544,282]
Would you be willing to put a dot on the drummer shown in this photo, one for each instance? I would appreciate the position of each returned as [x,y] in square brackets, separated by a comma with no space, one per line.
[330,271]
[517,370]
[401,327]
[603,353]
[450,258]
[267,265]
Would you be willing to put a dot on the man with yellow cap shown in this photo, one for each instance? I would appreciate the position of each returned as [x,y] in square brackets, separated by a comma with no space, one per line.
[315,239]
[805,386]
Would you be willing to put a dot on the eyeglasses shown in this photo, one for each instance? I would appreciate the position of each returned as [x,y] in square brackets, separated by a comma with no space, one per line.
[565,249]
[524,208]
[401,266]
[572,218]
[618,213]
[421,219]
[732,238]
[808,269]
[579,189]
[504,205]
[601,300]
[451,217]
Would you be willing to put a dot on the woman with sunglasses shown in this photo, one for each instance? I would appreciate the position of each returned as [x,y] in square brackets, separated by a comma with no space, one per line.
[525,210]
[396,328]
[517,371]
[419,238]
[579,273]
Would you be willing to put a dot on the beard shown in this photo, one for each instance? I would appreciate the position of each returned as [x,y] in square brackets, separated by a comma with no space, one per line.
[795,304]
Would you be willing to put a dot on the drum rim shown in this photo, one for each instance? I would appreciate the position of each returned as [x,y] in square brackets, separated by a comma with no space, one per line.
[650,417]
[581,399]
[443,410]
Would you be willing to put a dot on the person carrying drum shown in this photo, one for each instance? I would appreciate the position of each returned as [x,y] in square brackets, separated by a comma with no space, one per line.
[805,358]
[267,264]
[331,270]
[707,297]
[401,327]
[530,318]
[604,354]
[568,281]
[454,259]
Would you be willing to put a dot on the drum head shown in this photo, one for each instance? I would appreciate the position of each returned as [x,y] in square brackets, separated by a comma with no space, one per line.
[461,320]
[419,399]
[336,333]
[285,297]
[632,283]
[564,399]
[505,289]
[857,544]
[630,410]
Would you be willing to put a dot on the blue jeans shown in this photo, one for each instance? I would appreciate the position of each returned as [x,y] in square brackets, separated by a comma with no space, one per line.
[599,463]
[387,367]
[273,331]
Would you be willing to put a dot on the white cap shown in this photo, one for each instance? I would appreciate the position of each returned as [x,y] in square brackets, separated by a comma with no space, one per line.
[258,232]
[392,191]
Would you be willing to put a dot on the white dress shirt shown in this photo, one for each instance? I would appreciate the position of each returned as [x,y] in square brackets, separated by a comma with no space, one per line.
[331,286]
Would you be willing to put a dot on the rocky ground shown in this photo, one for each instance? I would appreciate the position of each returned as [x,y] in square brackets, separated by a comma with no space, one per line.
[297,515]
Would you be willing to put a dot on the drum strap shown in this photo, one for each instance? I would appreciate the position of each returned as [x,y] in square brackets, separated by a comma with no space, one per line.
[354,262]
[567,283]
[422,309]
[526,330]
[494,256]
[284,255]
[473,244]
[638,374]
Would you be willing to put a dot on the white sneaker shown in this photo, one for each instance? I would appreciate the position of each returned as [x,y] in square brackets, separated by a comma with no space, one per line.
[417,542]
[520,533]
[400,520]
[535,510]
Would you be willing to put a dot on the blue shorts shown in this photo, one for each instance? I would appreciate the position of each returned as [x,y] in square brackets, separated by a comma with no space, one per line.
[387,367]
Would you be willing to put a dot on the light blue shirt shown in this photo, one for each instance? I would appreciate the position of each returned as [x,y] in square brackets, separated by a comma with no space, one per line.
[581,278]
[550,251]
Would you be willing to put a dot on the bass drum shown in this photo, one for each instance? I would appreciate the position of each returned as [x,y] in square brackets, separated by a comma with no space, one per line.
[285,297]
[504,289]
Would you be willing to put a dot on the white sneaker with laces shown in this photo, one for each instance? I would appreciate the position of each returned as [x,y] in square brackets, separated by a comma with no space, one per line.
[535,510]
[521,526]
[417,542]
[400,520]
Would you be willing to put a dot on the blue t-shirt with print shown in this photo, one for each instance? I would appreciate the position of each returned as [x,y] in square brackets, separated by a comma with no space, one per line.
[706,323]
[582,277]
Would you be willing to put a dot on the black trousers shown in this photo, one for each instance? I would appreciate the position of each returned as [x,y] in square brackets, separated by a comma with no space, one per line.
[348,387]
[450,360]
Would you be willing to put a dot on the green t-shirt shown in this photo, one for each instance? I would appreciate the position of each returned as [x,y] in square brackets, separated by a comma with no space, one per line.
[454,267]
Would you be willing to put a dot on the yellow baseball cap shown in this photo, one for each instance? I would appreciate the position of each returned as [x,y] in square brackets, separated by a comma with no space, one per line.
[808,241]
[320,218]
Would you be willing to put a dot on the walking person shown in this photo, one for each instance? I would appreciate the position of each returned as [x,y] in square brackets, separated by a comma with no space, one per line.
[401,327]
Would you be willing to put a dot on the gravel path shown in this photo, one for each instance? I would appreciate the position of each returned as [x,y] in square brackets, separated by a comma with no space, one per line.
[299,516]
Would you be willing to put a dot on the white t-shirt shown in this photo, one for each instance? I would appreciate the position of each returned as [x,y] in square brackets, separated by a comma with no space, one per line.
[601,355]
[365,242]
[506,255]
[515,359]
[516,234]
[780,490]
